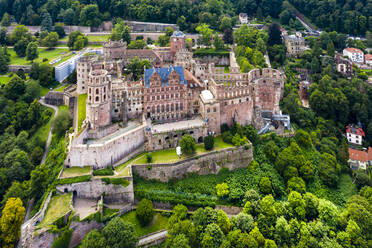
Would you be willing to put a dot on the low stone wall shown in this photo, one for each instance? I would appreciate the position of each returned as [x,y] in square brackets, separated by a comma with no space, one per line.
[209,163]
[96,187]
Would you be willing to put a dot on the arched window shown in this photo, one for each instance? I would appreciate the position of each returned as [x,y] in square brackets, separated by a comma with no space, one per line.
[97,98]
[97,91]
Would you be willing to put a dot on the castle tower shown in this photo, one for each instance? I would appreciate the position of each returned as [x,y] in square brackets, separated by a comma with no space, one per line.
[82,72]
[99,99]
[114,50]
[177,42]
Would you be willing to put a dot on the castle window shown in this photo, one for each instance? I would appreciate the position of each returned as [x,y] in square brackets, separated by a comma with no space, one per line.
[208,110]
[158,109]
[167,108]
[214,109]
[162,108]
[153,110]
[176,106]
[104,97]
[97,91]
[181,106]
[157,97]
[162,97]
[97,98]
[172,107]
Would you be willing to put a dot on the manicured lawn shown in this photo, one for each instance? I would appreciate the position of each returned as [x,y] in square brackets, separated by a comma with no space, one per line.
[158,223]
[170,155]
[60,89]
[58,206]
[210,51]
[64,59]
[93,38]
[4,79]
[44,91]
[82,99]
[76,171]
[43,53]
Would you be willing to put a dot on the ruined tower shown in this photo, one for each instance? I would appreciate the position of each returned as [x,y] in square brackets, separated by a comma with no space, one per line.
[99,99]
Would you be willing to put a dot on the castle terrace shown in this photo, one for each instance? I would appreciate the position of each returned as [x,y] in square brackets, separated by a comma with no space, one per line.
[179,125]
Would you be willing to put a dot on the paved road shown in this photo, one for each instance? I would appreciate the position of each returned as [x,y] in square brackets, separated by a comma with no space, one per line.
[42,102]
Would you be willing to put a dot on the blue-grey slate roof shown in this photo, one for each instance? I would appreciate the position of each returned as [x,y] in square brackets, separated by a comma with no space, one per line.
[178,34]
[164,73]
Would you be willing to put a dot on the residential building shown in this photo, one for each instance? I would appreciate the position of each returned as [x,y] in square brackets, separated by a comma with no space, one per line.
[295,44]
[344,66]
[243,18]
[368,59]
[360,159]
[354,54]
[354,134]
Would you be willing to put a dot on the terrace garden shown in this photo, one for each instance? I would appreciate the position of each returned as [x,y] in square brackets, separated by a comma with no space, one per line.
[75,171]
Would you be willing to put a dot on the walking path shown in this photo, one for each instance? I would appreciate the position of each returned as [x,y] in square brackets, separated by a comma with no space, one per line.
[161,235]
[42,102]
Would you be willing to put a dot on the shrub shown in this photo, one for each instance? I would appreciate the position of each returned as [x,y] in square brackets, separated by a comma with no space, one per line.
[104,172]
[145,212]
[222,189]
[148,158]
[64,240]
[265,185]
[227,137]
[187,144]
[116,181]
[71,180]
[209,142]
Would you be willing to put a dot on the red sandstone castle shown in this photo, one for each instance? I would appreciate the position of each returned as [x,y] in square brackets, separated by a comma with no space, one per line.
[178,95]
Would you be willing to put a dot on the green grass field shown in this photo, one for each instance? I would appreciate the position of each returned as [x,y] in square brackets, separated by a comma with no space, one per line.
[158,223]
[61,88]
[4,79]
[64,59]
[170,155]
[58,206]
[76,171]
[43,53]
[93,38]
[82,99]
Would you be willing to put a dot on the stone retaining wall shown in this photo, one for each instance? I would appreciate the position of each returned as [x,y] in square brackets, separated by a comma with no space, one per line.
[209,163]
[96,187]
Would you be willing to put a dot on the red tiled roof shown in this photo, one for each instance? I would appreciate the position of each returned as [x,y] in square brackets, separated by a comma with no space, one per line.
[358,155]
[354,130]
[353,50]
[368,57]
[369,153]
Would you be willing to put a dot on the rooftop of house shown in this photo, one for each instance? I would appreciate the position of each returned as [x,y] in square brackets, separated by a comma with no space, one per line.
[178,34]
[293,37]
[368,57]
[358,155]
[354,130]
[243,15]
[363,156]
[353,50]
[164,73]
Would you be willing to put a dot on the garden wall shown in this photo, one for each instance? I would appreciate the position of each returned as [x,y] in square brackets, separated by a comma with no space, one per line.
[96,187]
[209,163]
[223,60]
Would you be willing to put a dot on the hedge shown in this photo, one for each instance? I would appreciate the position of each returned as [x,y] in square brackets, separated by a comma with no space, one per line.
[104,172]
[64,240]
[212,52]
[116,181]
[71,180]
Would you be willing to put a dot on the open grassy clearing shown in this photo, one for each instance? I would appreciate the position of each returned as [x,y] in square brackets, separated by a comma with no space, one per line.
[76,171]
[4,79]
[82,99]
[60,89]
[43,53]
[58,206]
[93,38]
[159,222]
[170,155]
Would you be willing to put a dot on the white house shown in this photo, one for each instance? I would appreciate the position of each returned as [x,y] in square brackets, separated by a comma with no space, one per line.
[354,54]
[360,159]
[354,134]
[243,18]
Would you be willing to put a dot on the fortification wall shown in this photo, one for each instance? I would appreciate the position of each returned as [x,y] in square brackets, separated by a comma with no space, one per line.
[81,229]
[223,60]
[96,187]
[210,163]
[101,155]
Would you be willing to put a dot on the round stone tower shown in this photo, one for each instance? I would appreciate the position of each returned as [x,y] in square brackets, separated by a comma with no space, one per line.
[114,50]
[82,72]
[99,99]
